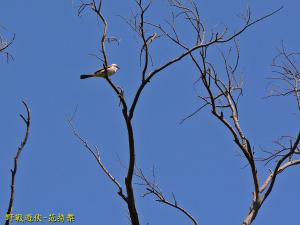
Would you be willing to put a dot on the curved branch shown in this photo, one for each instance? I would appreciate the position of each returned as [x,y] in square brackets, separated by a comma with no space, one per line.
[96,155]
[279,167]
[280,170]
[130,199]
[16,160]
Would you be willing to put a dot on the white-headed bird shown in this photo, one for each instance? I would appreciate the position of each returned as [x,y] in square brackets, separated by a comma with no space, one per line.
[111,70]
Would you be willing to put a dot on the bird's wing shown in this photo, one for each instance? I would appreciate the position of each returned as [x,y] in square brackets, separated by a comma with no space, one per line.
[99,71]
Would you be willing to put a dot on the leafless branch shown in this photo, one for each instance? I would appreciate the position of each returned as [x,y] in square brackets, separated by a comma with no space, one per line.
[138,24]
[215,39]
[285,153]
[222,92]
[130,199]
[287,71]
[4,45]
[194,113]
[96,154]
[152,188]
[27,122]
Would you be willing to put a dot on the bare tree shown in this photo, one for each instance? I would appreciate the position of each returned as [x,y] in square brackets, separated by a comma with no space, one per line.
[14,170]
[222,94]
[222,91]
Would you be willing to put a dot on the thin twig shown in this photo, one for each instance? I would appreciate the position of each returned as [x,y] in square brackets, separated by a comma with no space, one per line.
[96,154]
[153,188]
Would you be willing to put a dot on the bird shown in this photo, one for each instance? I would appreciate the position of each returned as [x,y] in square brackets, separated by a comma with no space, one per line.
[111,70]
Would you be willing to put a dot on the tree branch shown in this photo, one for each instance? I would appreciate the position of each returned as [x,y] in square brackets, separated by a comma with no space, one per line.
[16,160]
[216,39]
[153,188]
[288,74]
[5,45]
[130,199]
[96,154]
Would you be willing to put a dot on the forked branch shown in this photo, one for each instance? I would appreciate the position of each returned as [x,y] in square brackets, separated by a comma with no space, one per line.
[287,70]
[152,188]
[222,89]
[130,198]
[27,121]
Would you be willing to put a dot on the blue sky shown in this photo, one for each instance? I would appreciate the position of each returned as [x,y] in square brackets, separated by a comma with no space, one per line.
[197,160]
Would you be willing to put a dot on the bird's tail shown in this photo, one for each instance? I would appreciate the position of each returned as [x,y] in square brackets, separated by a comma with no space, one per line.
[84,76]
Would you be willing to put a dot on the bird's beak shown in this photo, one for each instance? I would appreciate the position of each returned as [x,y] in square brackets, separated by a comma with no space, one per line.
[118,67]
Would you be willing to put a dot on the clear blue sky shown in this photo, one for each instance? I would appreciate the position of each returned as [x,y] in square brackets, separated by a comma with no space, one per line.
[197,160]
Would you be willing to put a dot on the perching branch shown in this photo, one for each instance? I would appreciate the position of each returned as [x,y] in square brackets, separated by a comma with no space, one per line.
[222,92]
[27,121]
[130,199]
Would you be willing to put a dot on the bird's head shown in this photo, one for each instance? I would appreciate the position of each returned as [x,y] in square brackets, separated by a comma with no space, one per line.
[115,66]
